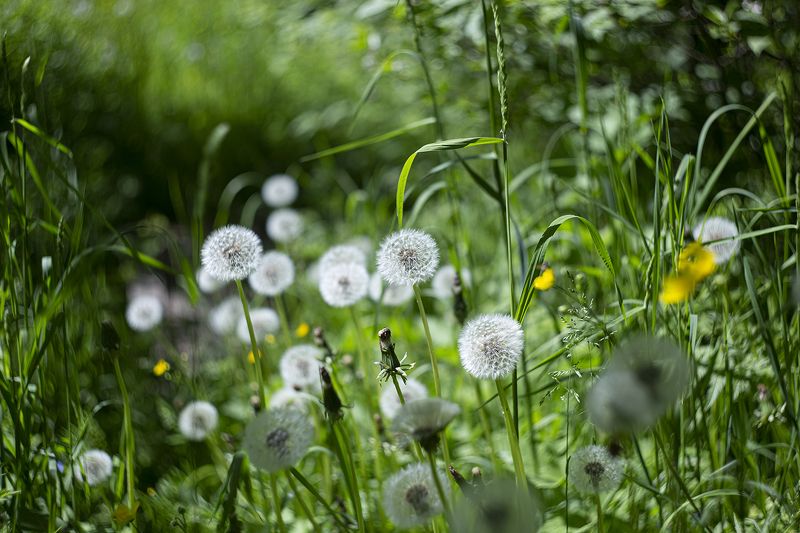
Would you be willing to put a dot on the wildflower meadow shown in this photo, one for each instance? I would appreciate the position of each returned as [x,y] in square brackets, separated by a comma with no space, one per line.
[470,266]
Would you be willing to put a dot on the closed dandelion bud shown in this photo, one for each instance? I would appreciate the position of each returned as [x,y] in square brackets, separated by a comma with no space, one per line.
[423,420]
[496,507]
[144,312]
[445,280]
[330,399]
[462,483]
[490,346]
[322,342]
[94,466]
[408,257]
[265,321]
[593,470]
[224,318]
[279,190]
[299,367]
[388,295]
[459,304]
[274,274]
[284,225]
[342,254]
[718,228]
[197,420]
[410,497]
[231,253]
[343,285]
[278,438]
[390,402]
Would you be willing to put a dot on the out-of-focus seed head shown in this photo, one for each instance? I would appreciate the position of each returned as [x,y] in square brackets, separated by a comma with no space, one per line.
[490,346]
[284,225]
[342,254]
[231,253]
[265,321]
[593,470]
[422,420]
[410,497]
[206,282]
[94,466]
[343,285]
[299,367]
[290,397]
[390,402]
[618,404]
[444,281]
[273,274]
[144,312]
[716,228]
[278,438]
[408,257]
[388,295]
[496,507]
[279,190]
[197,420]
[224,317]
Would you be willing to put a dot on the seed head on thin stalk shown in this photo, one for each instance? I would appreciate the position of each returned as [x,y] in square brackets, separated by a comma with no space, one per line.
[223,318]
[230,253]
[342,254]
[273,274]
[279,190]
[330,398]
[284,225]
[299,367]
[197,420]
[344,284]
[423,420]
[497,506]
[278,438]
[94,466]
[593,470]
[490,346]
[410,496]
[408,257]
[144,312]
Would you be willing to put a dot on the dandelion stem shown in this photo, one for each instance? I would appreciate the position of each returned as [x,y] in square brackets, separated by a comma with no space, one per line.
[434,366]
[129,444]
[254,345]
[438,483]
[276,499]
[311,489]
[303,505]
[280,306]
[600,527]
[519,467]
[346,460]
[417,449]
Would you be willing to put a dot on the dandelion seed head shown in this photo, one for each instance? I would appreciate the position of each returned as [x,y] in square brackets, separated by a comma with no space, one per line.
[197,420]
[273,274]
[230,253]
[618,404]
[144,312]
[299,367]
[278,438]
[343,285]
[408,257]
[444,281]
[715,228]
[94,466]
[279,190]
[206,282]
[423,419]
[410,497]
[342,254]
[223,318]
[593,470]
[265,321]
[289,397]
[392,295]
[490,346]
[497,507]
[390,402]
[284,225]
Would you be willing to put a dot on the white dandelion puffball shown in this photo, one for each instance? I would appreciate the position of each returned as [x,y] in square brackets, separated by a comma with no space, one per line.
[265,321]
[284,225]
[410,497]
[144,312]
[444,281]
[408,257]
[300,367]
[423,420]
[593,470]
[342,254]
[273,274]
[390,401]
[94,466]
[279,190]
[343,285]
[278,438]
[223,318]
[231,253]
[207,283]
[197,420]
[388,295]
[490,346]
[617,404]
[715,228]
[497,507]
[289,397]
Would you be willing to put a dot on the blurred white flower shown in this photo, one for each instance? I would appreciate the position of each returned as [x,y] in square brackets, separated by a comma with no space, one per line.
[289,397]
[444,280]
[342,254]
[223,318]
[344,284]
[95,466]
[618,404]
[390,401]
[410,497]
[265,321]
[197,420]
[144,312]
[278,438]
[273,274]
[284,225]
[230,253]
[300,367]
[393,295]
[47,264]
[206,282]
[279,190]
[408,257]
[593,470]
[490,346]
[715,228]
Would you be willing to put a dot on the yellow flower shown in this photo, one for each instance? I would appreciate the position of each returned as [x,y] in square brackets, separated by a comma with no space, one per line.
[696,262]
[271,339]
[676,289]
[250,357]
[302,330]
[161,368]
[545,280]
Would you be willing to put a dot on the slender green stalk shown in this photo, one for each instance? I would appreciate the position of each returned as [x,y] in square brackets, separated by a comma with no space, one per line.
[417,449]
[280,306]
[438,482]
[129,444]
[254,346]
[599,508]
[301,501]
[346,461]
[434,365]
[314,492]
[516,454]
[276,499]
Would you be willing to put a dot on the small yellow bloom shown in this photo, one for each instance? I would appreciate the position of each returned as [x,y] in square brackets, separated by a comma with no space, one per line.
[302,330]
[545,280]
[696,261]
[151,491]
[271,339]
[161,368]
[250,357]
[676,289]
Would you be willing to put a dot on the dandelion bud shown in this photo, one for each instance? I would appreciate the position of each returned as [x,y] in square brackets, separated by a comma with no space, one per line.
[230,253]
[459,304]
[410,497]
[94,466]
[197,420]
[322,342]
[490,346]
[476,474]
[279,190]
[718,228]
[255,403]
[462,483]
[593,470]
[408,257]
[284,225]
[330,399]
[278,438]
